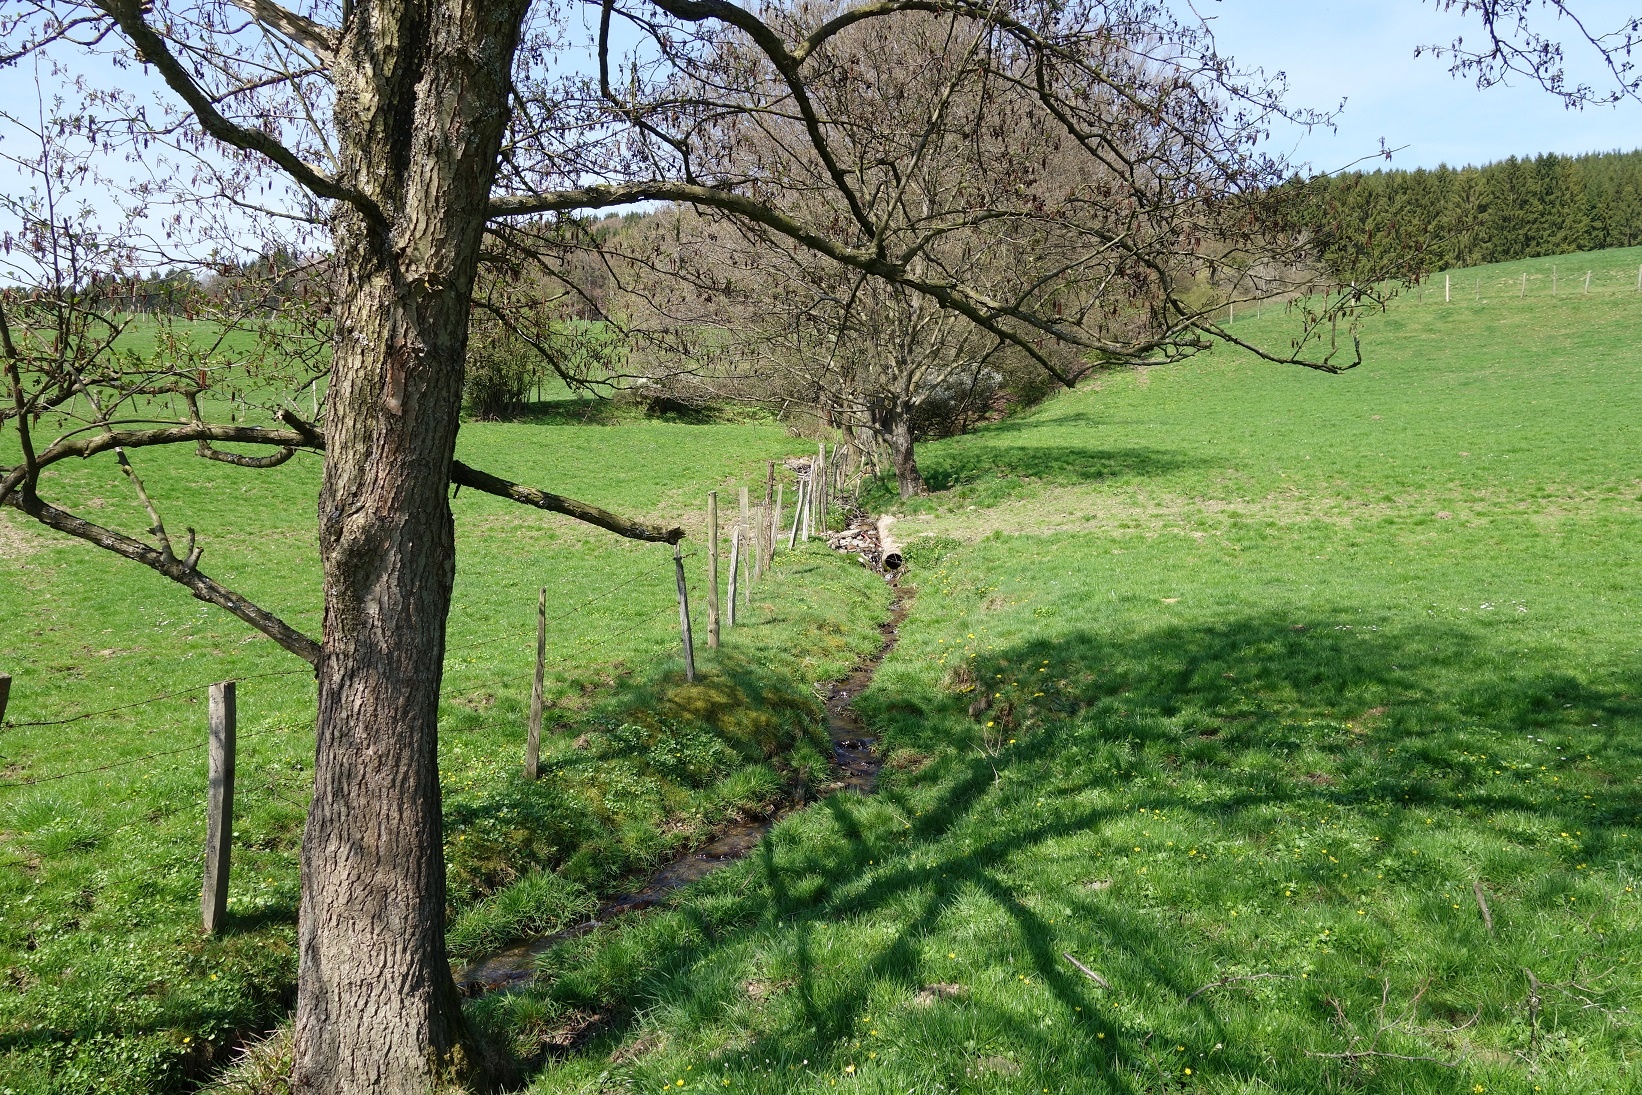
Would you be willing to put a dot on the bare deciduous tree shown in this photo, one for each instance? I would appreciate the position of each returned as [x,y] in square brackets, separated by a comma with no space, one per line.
[1514,42]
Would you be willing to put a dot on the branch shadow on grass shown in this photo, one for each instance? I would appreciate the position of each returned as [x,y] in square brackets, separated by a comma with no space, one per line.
[953,466]
[1233,727]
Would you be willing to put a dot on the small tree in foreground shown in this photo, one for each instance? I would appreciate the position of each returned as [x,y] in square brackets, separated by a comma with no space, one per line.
[390,139]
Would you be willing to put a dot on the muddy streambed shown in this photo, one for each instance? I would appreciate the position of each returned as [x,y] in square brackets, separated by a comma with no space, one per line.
[855,757]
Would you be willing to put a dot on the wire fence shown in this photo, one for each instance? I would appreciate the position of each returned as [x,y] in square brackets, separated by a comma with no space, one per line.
[754,538]
[578,647]
[1555,280]
[759,532]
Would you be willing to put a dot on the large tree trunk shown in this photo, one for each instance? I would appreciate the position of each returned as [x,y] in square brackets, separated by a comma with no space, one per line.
[908,479]
[421,106]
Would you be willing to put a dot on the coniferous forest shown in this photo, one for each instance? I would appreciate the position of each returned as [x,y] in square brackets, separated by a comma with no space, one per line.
[1371,223]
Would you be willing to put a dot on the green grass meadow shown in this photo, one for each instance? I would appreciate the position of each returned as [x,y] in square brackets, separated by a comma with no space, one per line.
[1246,687]
[111,986]
[1282,670]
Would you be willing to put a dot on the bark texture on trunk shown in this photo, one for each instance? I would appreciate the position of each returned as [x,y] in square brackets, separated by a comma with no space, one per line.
[421,107]
[908,479]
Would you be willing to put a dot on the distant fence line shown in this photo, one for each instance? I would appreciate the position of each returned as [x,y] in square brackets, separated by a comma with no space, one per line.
[1460,287]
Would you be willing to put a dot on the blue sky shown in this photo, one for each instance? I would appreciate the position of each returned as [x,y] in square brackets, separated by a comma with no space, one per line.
[1364,52]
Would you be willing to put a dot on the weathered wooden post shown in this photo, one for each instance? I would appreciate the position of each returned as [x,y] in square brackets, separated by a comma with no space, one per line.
[766,527]
[533,737]
[748,550]
[735,568]
[808,505]
[712,569]
[5,695]
[746,544]
[819,474]
[797,515]
[219,807]
[684,615]
[775,521]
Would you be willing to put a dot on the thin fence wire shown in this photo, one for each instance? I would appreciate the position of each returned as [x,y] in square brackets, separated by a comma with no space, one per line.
[597,597]
[580,647]
[156,699]
[101,767]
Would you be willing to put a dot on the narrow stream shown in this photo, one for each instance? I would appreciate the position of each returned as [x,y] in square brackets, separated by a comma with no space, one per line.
[856,758]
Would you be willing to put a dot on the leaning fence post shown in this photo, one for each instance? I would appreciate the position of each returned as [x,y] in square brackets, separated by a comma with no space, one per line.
[219,807]
[807,507]
[766,533]
[712,569]
[5,695]
[684,615]
[797,514]
[746,548]
[533,739]
[749,548]
[775,521]
[821,498]
[734,568]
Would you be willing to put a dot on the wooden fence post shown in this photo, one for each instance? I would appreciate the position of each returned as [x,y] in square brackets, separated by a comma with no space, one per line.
[807,507]
[775,521]
[821,499]
[712,569]
[5,695]
[1524,291]
[1587,281]
[1447,285]
[533,737]
[219,807]
[684,615]
[746,546]
[797,515]
[766,535]
[735,569]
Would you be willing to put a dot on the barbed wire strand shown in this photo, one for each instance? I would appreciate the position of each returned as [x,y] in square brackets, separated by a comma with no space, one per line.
[581,647]
[102,767]
[553,619]
[156,699]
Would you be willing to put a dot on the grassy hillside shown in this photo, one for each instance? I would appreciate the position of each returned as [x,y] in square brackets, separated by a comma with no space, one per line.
[102,818]
[1310,727]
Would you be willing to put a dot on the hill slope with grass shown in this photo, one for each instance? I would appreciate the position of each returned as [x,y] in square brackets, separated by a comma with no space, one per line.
[1302,711]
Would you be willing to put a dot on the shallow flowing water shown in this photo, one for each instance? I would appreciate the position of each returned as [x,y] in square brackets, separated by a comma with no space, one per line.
[856,759]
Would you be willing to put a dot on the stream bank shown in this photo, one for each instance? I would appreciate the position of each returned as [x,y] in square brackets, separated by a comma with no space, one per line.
[856,759]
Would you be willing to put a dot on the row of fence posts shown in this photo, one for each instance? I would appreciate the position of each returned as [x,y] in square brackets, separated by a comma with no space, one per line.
[753,541]
[1448,290]
[752,552]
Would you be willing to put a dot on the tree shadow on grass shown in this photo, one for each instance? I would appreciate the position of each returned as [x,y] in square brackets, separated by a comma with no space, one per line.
[1234,730]
[977,462]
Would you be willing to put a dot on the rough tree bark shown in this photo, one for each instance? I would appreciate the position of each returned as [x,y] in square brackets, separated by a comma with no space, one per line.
[420,117]
[908,479]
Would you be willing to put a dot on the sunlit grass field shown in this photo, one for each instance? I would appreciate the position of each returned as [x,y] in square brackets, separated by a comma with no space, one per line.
[110,985]
[1311,723]
[1299,710]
